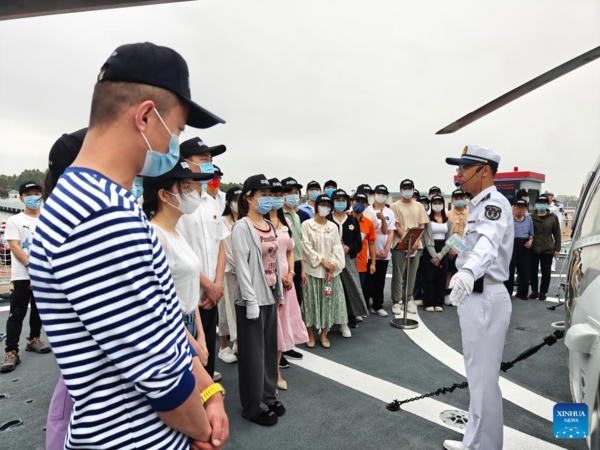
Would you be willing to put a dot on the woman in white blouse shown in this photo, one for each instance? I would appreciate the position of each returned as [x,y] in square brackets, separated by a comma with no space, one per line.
[324,303]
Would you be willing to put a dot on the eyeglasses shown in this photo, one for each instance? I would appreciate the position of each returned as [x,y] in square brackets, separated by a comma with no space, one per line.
[461,169]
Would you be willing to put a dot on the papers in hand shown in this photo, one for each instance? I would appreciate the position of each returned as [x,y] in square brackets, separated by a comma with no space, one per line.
[456,243]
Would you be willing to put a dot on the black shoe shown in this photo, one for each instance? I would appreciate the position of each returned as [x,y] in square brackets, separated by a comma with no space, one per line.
[284,364]
[293,354]
[267,418]
[352,322]
[533,295]
[542,297]
[278,408]
[522,296]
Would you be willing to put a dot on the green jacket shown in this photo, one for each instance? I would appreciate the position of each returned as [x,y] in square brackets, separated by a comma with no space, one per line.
[547,233]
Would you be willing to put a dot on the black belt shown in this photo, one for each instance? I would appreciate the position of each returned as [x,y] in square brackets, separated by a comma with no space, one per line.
[522,239]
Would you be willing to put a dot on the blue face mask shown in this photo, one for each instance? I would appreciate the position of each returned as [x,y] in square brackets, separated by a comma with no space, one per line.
[313,195]
[292,200]
[206,168]
[340,206]
[277,203]
[460,203]
[33,201]
[329,192]
[265,204]
[541,207]
[156,163]
[358,208]
[137,189]
[407,194]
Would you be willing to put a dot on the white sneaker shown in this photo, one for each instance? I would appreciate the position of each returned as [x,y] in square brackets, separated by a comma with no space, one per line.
[217,376]
[234,349]
[419,302]
[359,318]
[412,308]
[345,330]
[454,445]
[227,355]
[397,309]
[380,313]
[447,301]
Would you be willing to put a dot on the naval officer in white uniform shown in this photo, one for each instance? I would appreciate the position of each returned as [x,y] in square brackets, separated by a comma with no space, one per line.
[484,306]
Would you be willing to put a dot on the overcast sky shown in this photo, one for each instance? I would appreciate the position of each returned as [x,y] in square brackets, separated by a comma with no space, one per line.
[349,90]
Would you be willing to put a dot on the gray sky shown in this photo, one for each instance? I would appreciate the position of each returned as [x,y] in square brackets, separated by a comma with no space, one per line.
[349,90]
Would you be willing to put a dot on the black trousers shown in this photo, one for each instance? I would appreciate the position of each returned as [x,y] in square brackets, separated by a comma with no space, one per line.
[375,284]
[210,318]
[434,278]
[545,262]
[521,260]
[20,298]
[298,280]
[257,360]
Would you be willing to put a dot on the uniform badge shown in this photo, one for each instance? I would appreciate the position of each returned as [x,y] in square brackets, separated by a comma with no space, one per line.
[493,212]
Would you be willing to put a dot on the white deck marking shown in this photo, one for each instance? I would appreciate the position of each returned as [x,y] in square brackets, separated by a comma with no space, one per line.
[427,409]
[526,399]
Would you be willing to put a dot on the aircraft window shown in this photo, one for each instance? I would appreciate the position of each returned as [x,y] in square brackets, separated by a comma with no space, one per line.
[590,225]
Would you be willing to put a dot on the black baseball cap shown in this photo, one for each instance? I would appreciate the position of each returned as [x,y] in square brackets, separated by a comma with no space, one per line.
[542,199]
[416,193]
[331,183]
[423,198]
[196,146]
[340,193]
[313,185]
[360,196]
[233,193]
[407,183]
[218,172]
[437,198]
[276,185]
[63,153]
[255,183]
[365,188]
[29,185]
[179,171]
[382,188]
[521,202]
[323,198]
[433,189]
[162,67]
[458,193]
[289,183]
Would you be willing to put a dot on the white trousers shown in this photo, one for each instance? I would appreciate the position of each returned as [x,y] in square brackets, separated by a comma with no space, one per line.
[484,321]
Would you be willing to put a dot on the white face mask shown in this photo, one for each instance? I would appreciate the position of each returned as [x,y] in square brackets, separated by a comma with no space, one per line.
[324,211]
[234,206]
[370,199]
[438,208]
[380,198]
[188,204]
[407,194]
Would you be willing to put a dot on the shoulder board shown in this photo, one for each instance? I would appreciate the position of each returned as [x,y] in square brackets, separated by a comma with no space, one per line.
[487,197]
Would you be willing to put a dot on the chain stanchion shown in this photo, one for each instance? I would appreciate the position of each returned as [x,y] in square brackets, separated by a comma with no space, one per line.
[549,340]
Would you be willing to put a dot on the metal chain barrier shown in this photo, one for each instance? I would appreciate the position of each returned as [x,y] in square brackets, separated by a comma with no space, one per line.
[549,340]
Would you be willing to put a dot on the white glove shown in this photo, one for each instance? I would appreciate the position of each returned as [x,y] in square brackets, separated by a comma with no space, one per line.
[462,286]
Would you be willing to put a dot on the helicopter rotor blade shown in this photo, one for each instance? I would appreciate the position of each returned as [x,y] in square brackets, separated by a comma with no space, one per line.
[522,90]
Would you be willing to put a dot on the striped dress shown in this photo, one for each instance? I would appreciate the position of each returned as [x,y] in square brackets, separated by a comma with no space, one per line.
[109,307]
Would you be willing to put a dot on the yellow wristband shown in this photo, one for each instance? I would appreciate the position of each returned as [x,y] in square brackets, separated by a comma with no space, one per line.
[207,393]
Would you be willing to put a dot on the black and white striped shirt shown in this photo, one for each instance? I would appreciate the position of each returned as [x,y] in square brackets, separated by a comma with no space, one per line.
[105,295]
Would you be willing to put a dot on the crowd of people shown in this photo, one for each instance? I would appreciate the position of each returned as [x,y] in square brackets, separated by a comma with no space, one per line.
[135,262]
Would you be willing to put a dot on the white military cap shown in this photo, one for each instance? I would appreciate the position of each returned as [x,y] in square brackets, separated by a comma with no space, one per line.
[474,154]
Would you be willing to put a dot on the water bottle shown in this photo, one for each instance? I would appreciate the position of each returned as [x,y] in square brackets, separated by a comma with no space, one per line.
[328,289]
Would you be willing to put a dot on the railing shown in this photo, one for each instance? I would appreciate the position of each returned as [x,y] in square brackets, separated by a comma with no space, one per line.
[5,262]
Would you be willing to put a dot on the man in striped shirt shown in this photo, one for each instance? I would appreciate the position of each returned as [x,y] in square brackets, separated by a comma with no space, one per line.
[106,296]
